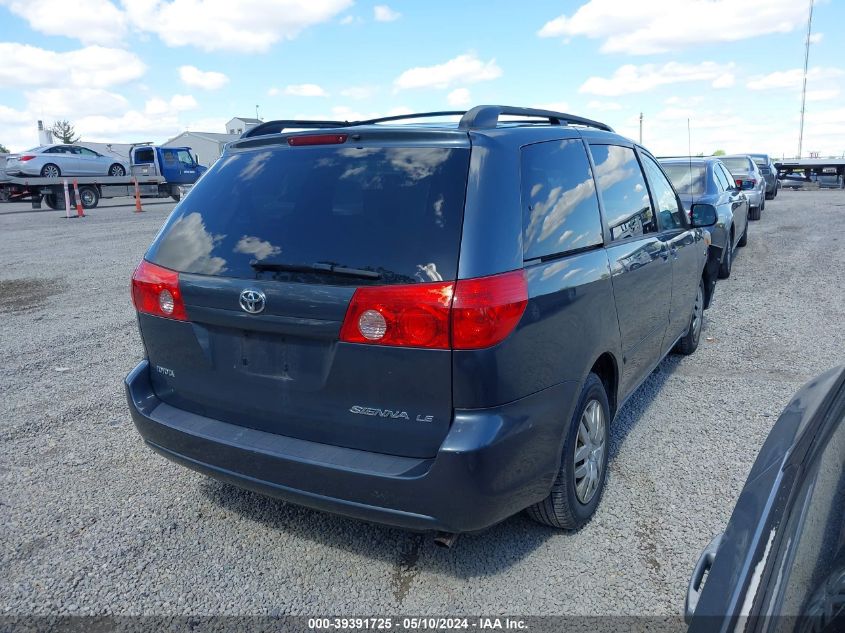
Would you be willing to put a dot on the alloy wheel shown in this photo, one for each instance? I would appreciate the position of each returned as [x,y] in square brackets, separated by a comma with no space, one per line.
[589,451]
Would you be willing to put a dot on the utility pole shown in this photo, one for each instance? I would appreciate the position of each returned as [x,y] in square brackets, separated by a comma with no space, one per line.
[804,89]
[256,112]
[641,128]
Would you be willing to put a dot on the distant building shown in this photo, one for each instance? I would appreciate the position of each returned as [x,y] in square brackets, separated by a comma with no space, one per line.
[239,125]
[207,146]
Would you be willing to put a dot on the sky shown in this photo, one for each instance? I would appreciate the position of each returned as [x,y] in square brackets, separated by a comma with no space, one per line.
[147,70]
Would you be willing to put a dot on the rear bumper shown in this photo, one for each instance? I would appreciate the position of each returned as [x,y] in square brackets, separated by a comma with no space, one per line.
[492,464]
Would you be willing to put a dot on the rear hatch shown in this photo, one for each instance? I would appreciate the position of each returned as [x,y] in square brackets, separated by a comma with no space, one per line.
[305,226]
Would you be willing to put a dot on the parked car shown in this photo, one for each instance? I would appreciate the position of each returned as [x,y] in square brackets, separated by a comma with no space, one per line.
[745,171]
[52,161]
[707,181]
[770,173]
[780,564]
[829,180]
[429,326]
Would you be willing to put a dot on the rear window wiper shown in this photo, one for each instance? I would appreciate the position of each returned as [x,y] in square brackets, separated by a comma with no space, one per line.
[319,268]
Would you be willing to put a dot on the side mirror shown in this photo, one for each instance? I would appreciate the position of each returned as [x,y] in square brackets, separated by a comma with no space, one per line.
[703,215]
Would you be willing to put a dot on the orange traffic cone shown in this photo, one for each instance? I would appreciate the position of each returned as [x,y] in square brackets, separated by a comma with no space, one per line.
[80,212]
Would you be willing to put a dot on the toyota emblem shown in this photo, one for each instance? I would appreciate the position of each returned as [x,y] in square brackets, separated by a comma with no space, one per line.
[252,301]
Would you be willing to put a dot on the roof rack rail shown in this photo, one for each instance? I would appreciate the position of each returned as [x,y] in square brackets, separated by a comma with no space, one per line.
[276,127]
[487,117]
[413,115]
[480,117]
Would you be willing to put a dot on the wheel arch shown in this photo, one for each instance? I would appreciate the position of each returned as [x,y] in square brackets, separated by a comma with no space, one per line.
[607,369]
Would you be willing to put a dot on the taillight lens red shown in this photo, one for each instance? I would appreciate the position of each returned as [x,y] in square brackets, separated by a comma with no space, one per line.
[409,316]
[23,159]
[318,139]
[739,183]
[486,310]
[155,290]
[467,314]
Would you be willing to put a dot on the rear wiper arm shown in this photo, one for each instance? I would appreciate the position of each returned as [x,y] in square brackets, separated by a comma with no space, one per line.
[319,268]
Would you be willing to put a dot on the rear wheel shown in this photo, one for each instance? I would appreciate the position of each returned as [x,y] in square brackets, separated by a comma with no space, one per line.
[52,201]
[754,213]
[689,343]
[90,197]
[51,171]
[580,480]
[117,170]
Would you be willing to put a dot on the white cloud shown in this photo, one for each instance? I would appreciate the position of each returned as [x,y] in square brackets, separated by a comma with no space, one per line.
[383,13]
[246,26]
[557,106]
[359,92]
[724,81]
[305,90]
[207,80]
[823,95]
[793,78]
[459,97]
[90,21]
[72,103]
[604,106]
[178,103]
[466,68]
[658,26]
[630,79]
[89,67]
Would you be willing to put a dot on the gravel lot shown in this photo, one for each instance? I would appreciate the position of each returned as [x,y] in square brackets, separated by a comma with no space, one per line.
[93,522]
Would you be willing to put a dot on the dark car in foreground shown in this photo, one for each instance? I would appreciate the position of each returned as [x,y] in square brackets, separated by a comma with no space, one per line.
[780,564]
[425,325]
[747,175]
[769,172]
[705,180]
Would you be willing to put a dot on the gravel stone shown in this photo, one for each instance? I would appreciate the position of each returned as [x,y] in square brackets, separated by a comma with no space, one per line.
[94,522]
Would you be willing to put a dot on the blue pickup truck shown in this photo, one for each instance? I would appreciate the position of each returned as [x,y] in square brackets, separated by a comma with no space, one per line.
[177,166]
[160,172]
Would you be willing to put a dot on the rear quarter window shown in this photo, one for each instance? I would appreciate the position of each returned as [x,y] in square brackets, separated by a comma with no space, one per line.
[624,194]
[560,211]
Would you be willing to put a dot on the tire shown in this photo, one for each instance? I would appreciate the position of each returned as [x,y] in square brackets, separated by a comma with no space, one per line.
[689,343]
[51,200]
[728,260]
[50,170]
[762,204]
[176,197]
[754,213]
[744,239]
[90,197]
[117,170]
[573,500]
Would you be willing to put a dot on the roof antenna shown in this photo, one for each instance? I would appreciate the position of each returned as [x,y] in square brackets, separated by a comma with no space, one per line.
[689,160]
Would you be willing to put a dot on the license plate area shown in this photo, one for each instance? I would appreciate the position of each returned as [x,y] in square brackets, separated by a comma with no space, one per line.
[264,354]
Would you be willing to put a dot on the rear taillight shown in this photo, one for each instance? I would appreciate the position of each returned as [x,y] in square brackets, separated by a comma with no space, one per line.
[155,290]
[318,139]
[23,159]
[739,182]
[467,314]
[486,310]
[407,316]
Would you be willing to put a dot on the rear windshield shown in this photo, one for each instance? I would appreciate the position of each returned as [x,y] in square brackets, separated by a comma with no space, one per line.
[687,179]
[736,164]
[394,211]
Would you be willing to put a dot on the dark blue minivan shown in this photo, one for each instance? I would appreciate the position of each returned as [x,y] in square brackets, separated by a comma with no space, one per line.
[429,325]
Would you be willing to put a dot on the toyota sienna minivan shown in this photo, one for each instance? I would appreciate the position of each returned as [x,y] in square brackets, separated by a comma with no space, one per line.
[428,325]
